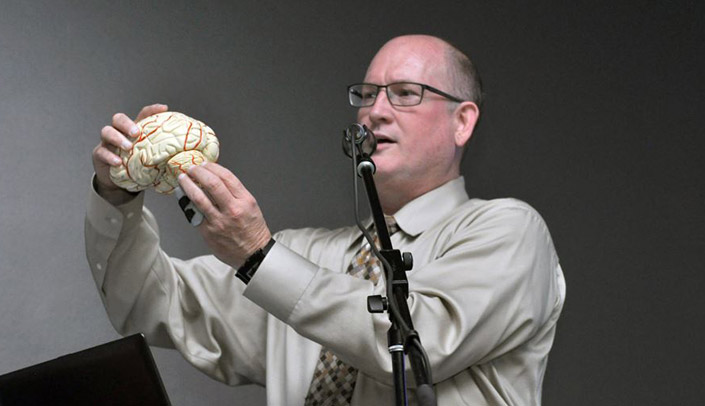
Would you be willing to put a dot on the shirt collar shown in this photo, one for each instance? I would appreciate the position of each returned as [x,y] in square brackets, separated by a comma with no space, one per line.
[428,209]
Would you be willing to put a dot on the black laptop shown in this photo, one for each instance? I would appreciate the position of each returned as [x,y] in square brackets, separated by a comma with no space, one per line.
[121,372]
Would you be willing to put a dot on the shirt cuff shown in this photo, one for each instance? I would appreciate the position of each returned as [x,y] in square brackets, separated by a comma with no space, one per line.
[280,281]
[107,219]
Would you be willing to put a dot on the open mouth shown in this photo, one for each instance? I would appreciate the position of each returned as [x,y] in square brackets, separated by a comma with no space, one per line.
[383,139]
[383,143]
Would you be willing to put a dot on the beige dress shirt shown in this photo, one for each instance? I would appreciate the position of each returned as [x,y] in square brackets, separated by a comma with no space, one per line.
[486,292]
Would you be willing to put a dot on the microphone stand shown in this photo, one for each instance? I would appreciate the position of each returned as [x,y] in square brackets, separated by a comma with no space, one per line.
[401,336]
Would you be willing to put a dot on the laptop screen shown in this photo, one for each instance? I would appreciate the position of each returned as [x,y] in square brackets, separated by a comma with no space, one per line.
[121,372]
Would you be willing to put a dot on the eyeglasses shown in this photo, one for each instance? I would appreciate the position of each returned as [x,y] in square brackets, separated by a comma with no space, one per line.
[398,94]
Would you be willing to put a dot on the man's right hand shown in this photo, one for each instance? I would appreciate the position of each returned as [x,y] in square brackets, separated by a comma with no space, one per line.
[119,135]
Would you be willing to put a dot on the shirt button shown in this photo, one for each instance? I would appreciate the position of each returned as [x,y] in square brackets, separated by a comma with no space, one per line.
[113,220]
[99,267]
[130,214]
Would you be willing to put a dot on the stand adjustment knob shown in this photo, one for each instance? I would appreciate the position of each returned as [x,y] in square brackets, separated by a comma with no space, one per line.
[407,261]
[377,304]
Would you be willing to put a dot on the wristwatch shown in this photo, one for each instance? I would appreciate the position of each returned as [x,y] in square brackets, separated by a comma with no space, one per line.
[248,269]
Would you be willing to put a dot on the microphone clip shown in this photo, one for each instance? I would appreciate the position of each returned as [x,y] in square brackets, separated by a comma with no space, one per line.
[359,139]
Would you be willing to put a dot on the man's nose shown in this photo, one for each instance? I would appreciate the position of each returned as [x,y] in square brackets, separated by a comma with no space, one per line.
[381,108]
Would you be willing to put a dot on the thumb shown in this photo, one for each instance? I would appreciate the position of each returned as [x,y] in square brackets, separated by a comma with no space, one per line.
[151,110]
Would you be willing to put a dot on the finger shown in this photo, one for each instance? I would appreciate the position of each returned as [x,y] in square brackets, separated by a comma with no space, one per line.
[198,197]
[231,181]
[112,137]
[125,125]
[151,110]
[103,154]
[212,184]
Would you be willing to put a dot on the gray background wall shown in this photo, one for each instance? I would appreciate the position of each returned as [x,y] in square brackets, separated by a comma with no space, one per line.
[594,115]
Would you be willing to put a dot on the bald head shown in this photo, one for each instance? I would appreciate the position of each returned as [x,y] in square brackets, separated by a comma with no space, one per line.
[459,75]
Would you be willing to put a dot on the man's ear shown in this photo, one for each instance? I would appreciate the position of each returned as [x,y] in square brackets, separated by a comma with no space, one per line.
[466,116]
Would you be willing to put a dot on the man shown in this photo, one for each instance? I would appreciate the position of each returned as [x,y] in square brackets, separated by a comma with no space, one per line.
[485,292]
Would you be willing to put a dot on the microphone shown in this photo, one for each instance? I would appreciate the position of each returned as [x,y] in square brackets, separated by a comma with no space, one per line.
[363,138]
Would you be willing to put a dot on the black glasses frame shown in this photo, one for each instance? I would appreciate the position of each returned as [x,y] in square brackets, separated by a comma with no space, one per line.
[424,87]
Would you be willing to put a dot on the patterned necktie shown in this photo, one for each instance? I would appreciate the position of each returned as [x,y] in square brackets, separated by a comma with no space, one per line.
[334,381]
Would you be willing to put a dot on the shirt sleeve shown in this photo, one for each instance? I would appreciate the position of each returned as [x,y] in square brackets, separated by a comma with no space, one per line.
[489,285]
[195,306]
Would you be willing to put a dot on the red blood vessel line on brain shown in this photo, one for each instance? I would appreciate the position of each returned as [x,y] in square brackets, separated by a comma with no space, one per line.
[170,143]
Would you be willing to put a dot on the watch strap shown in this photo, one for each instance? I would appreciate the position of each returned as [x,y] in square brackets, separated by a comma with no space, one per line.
[248,269]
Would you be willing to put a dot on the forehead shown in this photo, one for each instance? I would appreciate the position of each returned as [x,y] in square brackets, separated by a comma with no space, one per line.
[415,61]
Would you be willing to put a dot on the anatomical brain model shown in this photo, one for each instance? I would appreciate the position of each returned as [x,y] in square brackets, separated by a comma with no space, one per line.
[170,143]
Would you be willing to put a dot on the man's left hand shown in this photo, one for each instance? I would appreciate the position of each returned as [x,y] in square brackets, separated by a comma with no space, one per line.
[234,227]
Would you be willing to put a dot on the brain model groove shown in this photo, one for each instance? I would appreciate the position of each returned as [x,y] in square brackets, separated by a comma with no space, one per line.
[170,143]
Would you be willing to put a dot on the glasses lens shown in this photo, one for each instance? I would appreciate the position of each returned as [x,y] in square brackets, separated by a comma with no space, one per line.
[405,94]
[362,95]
